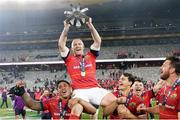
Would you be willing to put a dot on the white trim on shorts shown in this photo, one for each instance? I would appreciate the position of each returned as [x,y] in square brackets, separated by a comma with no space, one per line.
[91,95]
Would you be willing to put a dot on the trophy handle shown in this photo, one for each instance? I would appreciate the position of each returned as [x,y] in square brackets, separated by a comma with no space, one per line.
[68,20]
[85,16]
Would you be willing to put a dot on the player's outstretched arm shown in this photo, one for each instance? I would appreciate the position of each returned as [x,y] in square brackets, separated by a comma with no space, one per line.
[154,109]
[20,91]
[95,35]
[110,108]
[124,112]
[63,38]
[113,106]
[30,103]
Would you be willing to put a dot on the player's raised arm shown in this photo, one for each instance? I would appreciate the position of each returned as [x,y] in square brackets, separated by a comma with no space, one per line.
[63,38]
[95,35]
[20,91]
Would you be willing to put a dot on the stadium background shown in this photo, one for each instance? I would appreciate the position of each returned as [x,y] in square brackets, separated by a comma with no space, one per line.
[136,35]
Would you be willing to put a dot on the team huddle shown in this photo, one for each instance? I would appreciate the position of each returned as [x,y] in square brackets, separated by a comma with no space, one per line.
[84,94]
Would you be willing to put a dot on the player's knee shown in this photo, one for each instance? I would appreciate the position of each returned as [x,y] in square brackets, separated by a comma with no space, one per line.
[108,99]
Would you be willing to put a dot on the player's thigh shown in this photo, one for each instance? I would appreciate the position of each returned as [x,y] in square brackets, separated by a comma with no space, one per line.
[108,99]
[80,94]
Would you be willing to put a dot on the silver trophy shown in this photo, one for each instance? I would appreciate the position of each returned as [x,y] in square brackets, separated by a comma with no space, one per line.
[76,16]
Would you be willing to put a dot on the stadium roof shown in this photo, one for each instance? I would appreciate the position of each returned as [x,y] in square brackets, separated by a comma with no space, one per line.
[43,19]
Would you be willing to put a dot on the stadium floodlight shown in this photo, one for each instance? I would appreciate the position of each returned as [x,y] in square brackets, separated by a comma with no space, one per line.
[3,1]
[22,1]
[30,1]
[76,16]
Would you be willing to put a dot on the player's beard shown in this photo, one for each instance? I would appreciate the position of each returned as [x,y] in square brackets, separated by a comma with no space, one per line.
[165,76]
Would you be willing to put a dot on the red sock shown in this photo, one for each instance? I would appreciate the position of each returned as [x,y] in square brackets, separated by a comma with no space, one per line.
[72,116]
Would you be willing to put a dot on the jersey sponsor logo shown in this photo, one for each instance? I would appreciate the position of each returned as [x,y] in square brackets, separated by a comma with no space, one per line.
[171,107]
[56,114]
[76,67]
[132,104]
[86,66]
[168,106]
[68,114]
[173,96]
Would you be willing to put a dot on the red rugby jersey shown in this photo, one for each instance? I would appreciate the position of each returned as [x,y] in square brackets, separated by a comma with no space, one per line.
[146,96]
[53,106]
[73,66]
[172,107]
[132,105]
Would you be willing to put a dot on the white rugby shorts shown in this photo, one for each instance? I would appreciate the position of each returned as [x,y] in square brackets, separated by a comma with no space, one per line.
[91,95]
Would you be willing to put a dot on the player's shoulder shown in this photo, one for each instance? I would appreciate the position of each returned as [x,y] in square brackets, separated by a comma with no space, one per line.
[69,57]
